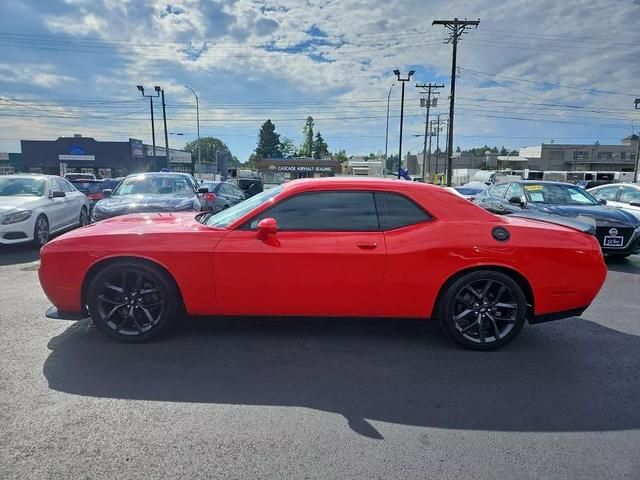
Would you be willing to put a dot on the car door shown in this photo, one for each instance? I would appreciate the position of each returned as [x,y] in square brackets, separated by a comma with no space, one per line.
[495,195]
[54,207]
[514,190]
[629,200]
[68,212]
[76,200]
[326,259]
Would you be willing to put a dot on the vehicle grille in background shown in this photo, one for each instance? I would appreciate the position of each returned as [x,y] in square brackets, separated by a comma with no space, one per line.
[602,232]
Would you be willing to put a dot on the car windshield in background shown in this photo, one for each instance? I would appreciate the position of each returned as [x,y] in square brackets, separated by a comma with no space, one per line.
[230,215]
[210,185]
[15,187]
[164,184]
[555,194]
[88,187]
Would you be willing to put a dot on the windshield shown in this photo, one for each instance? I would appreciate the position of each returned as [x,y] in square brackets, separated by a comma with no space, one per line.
[555,194]
[88,187]
[15,187]
[164,184]
[230,215]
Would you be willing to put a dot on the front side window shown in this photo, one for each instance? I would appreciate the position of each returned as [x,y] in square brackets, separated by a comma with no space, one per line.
[498,190]
[395,211]
[515,190]
[324,211]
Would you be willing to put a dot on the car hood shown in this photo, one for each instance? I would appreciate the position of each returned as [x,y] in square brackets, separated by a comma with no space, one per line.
[125,204]
[603,215]
[13,203]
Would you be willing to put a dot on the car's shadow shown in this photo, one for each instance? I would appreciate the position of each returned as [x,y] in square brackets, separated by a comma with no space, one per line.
[17,254]
[624,265]
[571,375]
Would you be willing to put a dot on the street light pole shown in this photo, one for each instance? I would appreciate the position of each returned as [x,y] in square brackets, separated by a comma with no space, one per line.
[166,134]
[403,80]
[386,137]
[153,127]
[198,123]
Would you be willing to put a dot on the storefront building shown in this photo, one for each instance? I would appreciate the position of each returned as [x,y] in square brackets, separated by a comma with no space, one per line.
[279,170]
[103,159]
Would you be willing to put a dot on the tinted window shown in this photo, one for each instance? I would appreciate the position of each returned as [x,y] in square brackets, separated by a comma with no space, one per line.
[629,195]
[514,190]
[64,186]
[606,193]
[397,211]
[498,190]
[88,187]
[324,211]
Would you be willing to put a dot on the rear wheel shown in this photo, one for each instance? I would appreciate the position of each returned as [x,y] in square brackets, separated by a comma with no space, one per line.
[84,217]
[132,301]
[483,310]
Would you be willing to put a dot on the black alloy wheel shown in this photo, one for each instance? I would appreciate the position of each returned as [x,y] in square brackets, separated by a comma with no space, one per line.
[41,231]
[483,310]
[132,301]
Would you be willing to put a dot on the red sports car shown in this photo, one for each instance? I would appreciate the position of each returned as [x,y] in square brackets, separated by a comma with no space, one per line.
[327,247]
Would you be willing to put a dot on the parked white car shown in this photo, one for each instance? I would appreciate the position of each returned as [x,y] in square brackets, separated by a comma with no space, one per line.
[33,207]
[621,195]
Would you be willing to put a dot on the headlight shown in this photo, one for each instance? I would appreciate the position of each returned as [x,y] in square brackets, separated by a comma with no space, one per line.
[17,217]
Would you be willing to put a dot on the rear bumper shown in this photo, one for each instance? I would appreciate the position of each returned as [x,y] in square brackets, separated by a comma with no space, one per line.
[56,314]
[549,317]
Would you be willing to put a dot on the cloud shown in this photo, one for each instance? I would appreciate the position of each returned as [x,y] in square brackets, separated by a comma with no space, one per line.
[32,74]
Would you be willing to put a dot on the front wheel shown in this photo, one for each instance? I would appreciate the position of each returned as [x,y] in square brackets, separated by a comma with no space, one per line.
[84,217]
[41,231]
[132,301]
[483,310]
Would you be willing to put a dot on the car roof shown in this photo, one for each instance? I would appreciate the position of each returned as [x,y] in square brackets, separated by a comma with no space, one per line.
[31,175]
[358,183]
[538,182]
[158,174]
[86,180]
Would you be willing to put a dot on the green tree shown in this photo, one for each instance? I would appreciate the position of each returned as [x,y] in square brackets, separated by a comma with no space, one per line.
[341,156]
[306,149]
[320,147]
[503,151]
[210,147]
[287,148]
[268,141]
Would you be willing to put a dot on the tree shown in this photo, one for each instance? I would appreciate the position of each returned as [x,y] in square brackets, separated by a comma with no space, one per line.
[458,149]
[306,149]
[320,147]
[341,156]
[503,151]
[287,148]
[210,147]
[268,141]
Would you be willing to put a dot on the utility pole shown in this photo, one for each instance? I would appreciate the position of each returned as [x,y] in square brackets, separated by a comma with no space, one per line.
[198,123]
[386,137]
[403,81]
[153,126]
[457,29]
[636,165]
[166,134]
[435,170]
[428,87]
[438,139]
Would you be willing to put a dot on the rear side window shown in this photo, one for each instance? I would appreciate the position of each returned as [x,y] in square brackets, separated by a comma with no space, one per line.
[498,190]
[324,211]
[606,193]
[397,211]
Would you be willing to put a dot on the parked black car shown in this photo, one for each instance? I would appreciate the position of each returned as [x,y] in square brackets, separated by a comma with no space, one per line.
[250,186]
[618,231]
[150,192]
[221,195]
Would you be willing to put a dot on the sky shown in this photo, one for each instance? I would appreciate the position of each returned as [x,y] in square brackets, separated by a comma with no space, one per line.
[531,72]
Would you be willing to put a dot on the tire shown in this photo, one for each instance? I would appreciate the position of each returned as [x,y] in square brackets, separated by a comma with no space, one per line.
[41,232]
[483,310]
[84,217]
[120,308]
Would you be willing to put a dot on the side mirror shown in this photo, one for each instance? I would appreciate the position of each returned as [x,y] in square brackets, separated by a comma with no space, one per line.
[107,192]
[517,201]
[58,194]
[267,227]
[602,201]
[203,190]
[635,204]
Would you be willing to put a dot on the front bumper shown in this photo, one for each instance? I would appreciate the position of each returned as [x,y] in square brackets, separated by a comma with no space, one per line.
[20,232]
[632,246]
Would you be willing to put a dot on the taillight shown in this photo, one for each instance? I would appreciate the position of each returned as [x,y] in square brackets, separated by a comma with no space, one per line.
[94,196]
[210,197]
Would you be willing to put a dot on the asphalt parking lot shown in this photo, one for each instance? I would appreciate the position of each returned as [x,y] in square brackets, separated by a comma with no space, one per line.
[299,398]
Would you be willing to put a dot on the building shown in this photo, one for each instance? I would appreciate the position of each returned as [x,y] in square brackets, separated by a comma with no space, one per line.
[279,170]
[10,163]
[587,157]
[104,159]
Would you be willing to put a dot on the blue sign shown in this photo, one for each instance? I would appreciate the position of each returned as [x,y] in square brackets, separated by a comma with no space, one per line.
[76,150]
